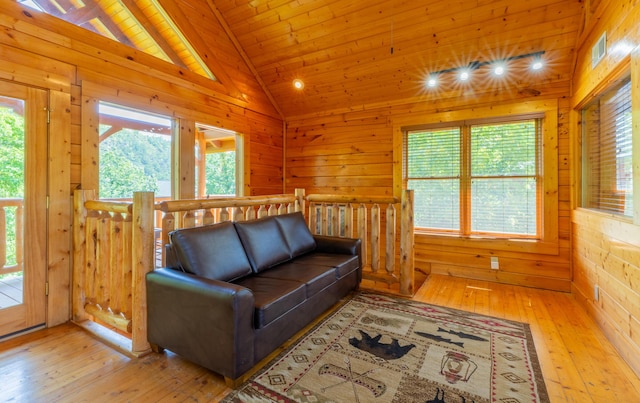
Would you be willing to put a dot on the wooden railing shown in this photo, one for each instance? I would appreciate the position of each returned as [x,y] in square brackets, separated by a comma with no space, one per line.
[115,246]
[196,212]
[113,249]
[18,236]
[375,221]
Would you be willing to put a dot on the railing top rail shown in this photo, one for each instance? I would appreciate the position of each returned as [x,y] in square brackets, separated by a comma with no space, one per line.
[322,198]
[218,202]
[11,202]
[110,206]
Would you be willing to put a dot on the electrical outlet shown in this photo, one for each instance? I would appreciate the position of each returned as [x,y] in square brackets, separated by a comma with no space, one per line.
[596,292]
[495,265]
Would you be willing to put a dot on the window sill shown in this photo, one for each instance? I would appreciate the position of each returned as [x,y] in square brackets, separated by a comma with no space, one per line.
[495,244]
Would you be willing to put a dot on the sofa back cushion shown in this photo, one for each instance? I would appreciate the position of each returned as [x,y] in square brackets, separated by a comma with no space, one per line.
[263,242]
[211,251]
[296,233]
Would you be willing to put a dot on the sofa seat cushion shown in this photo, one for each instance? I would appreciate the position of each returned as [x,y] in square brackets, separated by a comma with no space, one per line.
[273,297]
[343,264]
[316,278]
[211,251]
[263,242]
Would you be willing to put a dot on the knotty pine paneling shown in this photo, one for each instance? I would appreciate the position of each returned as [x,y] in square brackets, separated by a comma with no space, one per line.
[343,50]
[352,153]
[39,50]
[606,250]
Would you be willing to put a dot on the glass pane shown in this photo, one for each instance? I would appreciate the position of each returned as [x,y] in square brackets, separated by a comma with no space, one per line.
[433,153]
[436,203]
[216,161]
[148,29]
[221,173]
[607,153]
[506,149]
[12,161]
[505,206]
[135,152]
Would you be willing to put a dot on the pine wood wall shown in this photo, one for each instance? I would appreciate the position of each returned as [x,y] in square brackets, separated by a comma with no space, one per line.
[80,68]
[356,152]
[606,248]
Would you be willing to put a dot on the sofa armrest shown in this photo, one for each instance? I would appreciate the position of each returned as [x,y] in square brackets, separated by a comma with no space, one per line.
[209,322]
[334,244]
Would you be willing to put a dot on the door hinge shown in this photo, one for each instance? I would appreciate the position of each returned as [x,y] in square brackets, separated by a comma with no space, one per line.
[46,288]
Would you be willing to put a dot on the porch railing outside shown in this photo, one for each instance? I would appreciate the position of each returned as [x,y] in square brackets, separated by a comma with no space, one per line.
[116,242]
[11,239]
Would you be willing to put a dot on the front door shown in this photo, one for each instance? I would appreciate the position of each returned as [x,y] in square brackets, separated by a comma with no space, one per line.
[23,207]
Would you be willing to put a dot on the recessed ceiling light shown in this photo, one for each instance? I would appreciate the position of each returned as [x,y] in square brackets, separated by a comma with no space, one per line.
[537,64]
[298,84]
[432,82]
[464,75]
[499,69]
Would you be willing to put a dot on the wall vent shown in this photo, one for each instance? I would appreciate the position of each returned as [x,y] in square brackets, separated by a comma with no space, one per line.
[599,50]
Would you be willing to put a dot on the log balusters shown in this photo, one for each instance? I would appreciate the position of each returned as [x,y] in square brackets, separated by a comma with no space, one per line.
[373,220]
[113,251]
[196,212]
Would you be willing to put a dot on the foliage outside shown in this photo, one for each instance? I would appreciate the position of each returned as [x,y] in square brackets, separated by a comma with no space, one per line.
[12,177]
[502,177]
[133,161]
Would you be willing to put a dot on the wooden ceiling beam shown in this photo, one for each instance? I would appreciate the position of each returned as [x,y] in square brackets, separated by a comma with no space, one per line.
[93,7]
[201,46]
[150,28]
[244,56]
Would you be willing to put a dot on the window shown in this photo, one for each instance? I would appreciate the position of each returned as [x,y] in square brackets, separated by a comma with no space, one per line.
[607,163]
[135,152]
[476,178]
[216,161]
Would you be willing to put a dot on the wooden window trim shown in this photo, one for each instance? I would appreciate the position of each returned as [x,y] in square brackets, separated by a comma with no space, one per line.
[549,238]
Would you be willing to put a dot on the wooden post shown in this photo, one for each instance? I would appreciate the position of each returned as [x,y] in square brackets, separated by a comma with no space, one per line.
[335,220]
[406,244]
[390,252]
[348,220]
[3,241]
[117,263]
[20,235]
[79,248]
[313,218]
[103,261]
[143,262]
[300,200]
[375,238]
[362,233]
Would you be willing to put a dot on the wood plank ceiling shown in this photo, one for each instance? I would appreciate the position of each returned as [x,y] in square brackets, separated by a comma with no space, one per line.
[367,53]
[353,55]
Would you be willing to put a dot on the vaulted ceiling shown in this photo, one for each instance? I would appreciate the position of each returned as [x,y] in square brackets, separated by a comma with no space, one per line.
[351,55]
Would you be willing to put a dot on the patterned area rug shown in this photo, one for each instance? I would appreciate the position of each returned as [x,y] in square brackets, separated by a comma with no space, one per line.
[378,348]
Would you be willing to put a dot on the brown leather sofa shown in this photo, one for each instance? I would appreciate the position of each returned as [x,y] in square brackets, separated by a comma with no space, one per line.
[234,292]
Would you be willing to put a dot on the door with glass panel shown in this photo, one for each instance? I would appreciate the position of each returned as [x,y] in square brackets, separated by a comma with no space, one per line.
[23,207]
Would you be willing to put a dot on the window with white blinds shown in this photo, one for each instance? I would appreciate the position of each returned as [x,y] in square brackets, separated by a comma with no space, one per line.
[607,158]
[476,178]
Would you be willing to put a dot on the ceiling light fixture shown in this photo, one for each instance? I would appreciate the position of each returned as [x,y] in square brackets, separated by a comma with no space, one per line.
[298,84]
[499,68]
[537,64]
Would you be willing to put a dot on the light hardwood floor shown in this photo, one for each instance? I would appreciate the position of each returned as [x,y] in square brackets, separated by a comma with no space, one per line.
[66,364]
